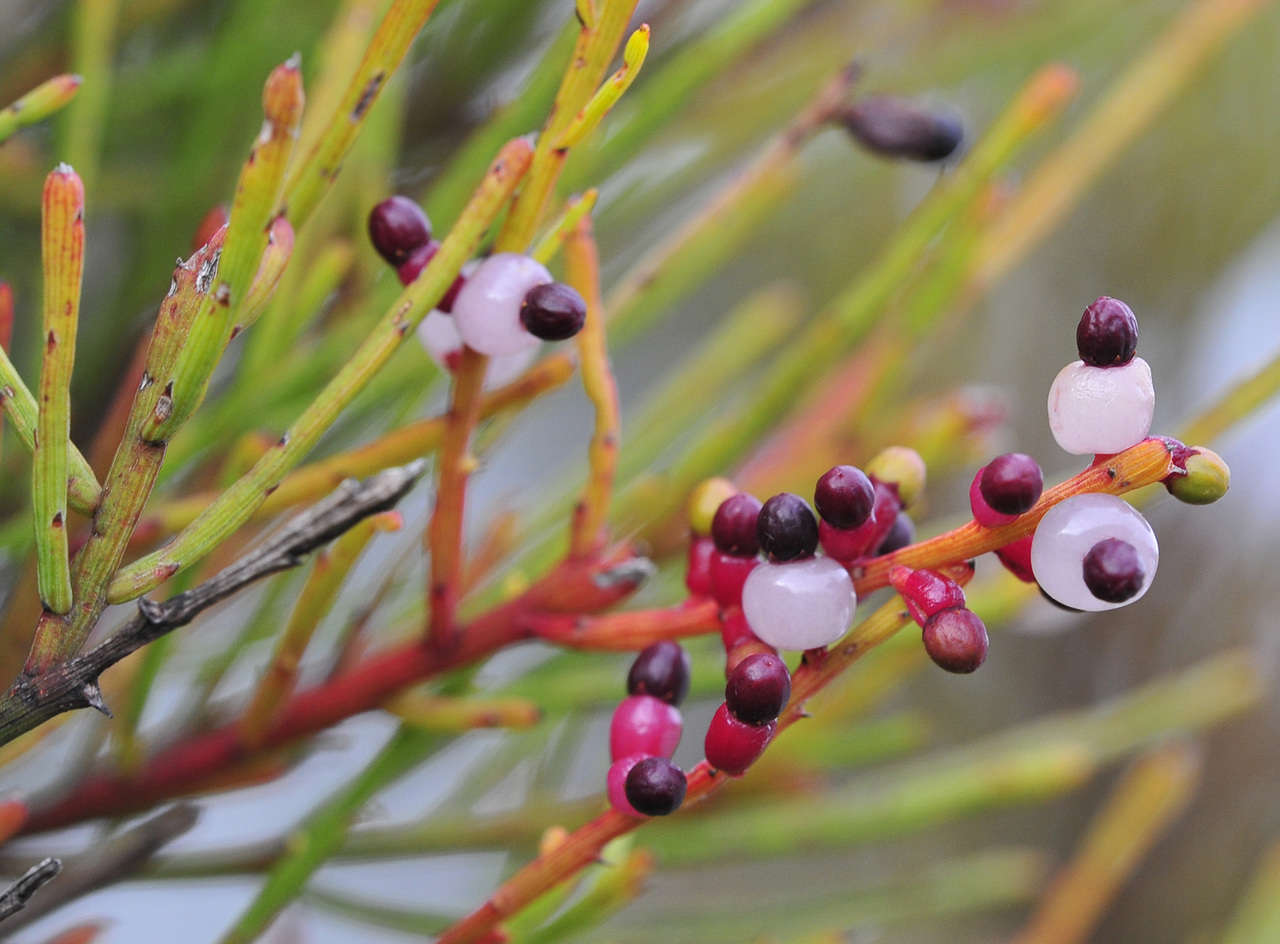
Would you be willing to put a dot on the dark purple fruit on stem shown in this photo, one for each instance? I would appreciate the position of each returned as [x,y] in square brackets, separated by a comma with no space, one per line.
[844,496]
[734,526]
[1107,335]
[656,787]
[553,312]
[956,640]
[758,688]
[786,528]
[397,226]
[1012,483]
[661,670]
[902,534]
[893,127]
[1112,571]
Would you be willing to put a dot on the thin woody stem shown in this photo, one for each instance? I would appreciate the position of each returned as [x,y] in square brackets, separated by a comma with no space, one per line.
[583,266]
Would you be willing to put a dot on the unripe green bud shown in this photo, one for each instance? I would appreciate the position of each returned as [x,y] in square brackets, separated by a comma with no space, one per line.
[900,466]
[1208,478]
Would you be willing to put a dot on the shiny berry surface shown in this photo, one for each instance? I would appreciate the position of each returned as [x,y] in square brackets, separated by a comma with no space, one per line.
[1113,571]
[734,526]
[956,640]
[655,787]
[1012,483]
[397,226]
[786,528]
[983,513]
[801,604]
[643,724]
[729,575]
[758,688]
[487,309]
[553,312]
[844,496]
[1107,335]
[732,745]
[661,670]
[1101,409]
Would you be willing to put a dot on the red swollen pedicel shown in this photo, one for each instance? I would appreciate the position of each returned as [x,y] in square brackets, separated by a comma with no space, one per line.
[1016,557]
[661,670]
[697,576]
[732,745]
[849,545]
[956,640]
[398,227]
[926,592]
[643,724]
[729,575]
[655,787]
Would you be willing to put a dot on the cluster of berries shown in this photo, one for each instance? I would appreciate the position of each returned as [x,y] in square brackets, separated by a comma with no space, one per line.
[796,598]
[502,305]
[645,732]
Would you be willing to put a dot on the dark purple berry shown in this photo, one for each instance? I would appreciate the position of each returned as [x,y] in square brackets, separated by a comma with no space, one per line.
[892,127]
[1012,483]
[787,528]
[1107,335]
[553,312]
[661,670]
[1112,571]
[902,534]
[655,787]
[844,496]
[956,640]
[734,526]
[758,688]
[397,226]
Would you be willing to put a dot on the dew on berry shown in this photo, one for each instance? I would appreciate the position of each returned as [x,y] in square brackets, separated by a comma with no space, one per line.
[956,640]
[643,724]
[487,309]
[1071,529]
[758,688]
[1107,335]
[844,496]
[800,604]
[655,787]
[731,745]
[733,527]
[1101,409]
[398,226]
[786,529]
[661,670]
[553,312]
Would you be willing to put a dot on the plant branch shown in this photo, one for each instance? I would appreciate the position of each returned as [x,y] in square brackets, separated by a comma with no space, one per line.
[16,896]
[74,684]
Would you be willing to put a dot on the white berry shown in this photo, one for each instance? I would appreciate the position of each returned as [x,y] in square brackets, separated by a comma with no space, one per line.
[487,309]
[800,604]
[1101,409]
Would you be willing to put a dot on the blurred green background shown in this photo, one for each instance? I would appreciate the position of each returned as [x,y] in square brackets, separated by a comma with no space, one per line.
[1185,226]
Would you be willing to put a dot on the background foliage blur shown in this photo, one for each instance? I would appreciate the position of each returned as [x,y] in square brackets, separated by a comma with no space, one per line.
[1185,226]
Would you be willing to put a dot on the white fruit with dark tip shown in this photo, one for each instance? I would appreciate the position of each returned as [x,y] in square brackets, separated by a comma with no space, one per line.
[1069,531]
[439,335]
[1101,409]
[799,604]
[487,310]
